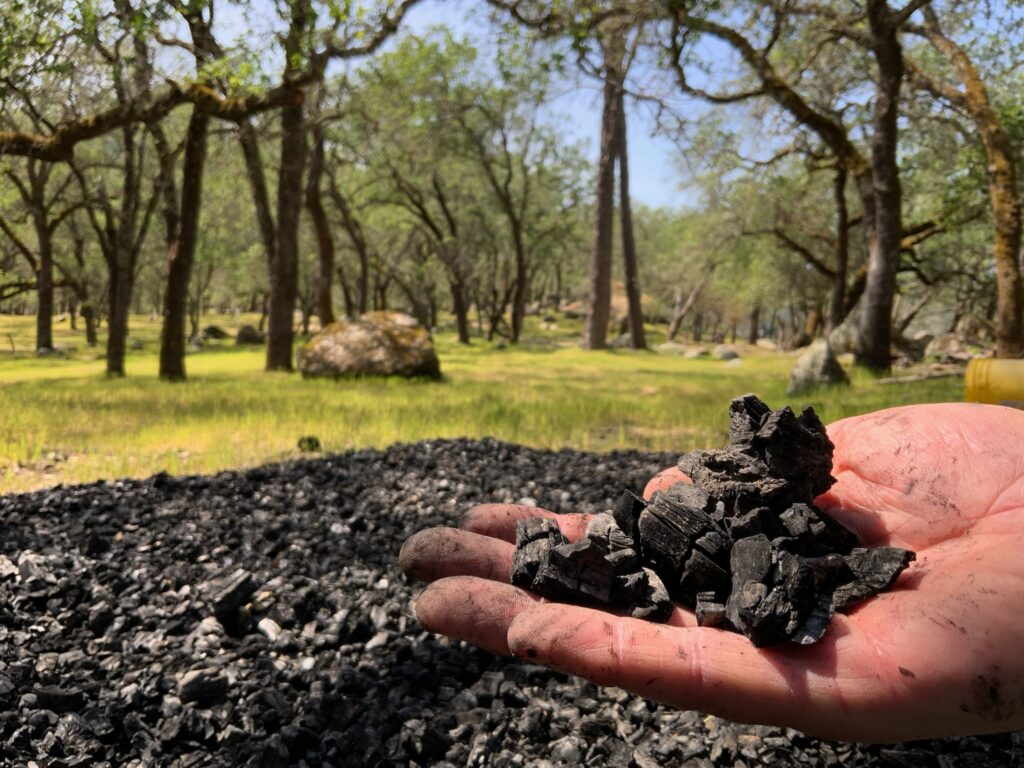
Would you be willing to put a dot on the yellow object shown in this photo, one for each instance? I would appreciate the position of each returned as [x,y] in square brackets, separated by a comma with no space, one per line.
[989,380]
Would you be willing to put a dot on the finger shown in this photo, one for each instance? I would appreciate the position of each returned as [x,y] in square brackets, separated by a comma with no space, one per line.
[436,553]
[665,480]
[471,609]
[703,669]
[499,520]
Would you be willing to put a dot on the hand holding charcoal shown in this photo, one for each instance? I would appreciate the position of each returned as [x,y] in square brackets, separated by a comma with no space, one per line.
[937,655]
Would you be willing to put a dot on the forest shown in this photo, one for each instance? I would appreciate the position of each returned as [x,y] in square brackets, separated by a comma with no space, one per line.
[842,165]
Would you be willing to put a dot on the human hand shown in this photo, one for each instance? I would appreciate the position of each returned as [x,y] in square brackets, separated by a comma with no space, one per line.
[936,655]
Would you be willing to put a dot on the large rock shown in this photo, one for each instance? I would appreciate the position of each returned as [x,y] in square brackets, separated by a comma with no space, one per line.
[247,334]
[377,344]
[948,348]
[816,367]
[725,352]
[844,337]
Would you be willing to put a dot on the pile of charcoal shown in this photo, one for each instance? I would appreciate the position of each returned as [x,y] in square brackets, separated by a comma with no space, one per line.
[743,545]
[259,618]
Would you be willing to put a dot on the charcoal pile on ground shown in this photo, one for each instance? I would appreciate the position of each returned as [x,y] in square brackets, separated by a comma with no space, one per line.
[260,618]
[744,545]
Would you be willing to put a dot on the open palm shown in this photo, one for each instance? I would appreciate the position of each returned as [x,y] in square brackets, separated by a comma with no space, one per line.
[937,655]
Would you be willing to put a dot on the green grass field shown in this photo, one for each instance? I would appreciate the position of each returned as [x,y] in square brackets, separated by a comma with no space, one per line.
[62,421]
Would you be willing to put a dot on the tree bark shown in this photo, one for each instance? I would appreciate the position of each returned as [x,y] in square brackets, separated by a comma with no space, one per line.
[284,269]
[322,228]
[595,328]
[753,330]
[837,304]
[44,286]
[637,339]
[181,251]
[460,308]
[875,328]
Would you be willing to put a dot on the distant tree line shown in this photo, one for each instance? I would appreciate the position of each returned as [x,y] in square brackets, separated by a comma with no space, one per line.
[855,162]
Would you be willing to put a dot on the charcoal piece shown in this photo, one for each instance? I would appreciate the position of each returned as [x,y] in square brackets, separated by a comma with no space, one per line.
[714,545]
[750,560]
[627,512]
[746,414]
[645,595]
[202,686]
[689,496]
[58,699]
[575,571]
[620,547]
[817,620]
[710,612]
[231,592]
[740,481]
[753,522]
[818,534]
[669,527]
[535,528]
[701,574]
[534,539]
[795,579]
[873,570]
[763,615]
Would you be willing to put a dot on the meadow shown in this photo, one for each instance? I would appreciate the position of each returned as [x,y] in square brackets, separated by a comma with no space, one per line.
[63,421]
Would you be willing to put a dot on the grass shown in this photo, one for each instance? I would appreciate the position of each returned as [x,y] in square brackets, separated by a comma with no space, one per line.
[62,421]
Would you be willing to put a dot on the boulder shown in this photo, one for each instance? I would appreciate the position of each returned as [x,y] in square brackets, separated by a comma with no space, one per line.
[215,333]
[249,335]
[377,344]
[816,367]
[843,338]
[671,348]
[725,352]
[694,352]
[767,344]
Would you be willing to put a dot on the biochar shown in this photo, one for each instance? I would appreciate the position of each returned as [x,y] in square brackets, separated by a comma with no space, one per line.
[743,545]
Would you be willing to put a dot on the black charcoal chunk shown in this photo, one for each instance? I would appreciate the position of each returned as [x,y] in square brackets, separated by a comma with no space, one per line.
[746,414]
[534,539]
[627,512]
[873,570]
[701,574]
[644,593]
[751,560]
[231,592]
[710,612]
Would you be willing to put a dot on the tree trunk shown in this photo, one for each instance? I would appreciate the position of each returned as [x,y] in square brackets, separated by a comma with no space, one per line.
[838,302]
[875,330]
[595,328]
[520,287]
[322,228]
[637,339]
[284,268]
[89,315]
[181,251]
[119,301]
[753,330]
[461,309]
[44,289]
[698,327]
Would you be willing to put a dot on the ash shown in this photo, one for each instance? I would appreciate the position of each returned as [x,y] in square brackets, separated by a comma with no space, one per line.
[259,618]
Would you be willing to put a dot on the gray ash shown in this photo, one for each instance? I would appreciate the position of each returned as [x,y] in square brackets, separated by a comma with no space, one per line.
[744,545]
